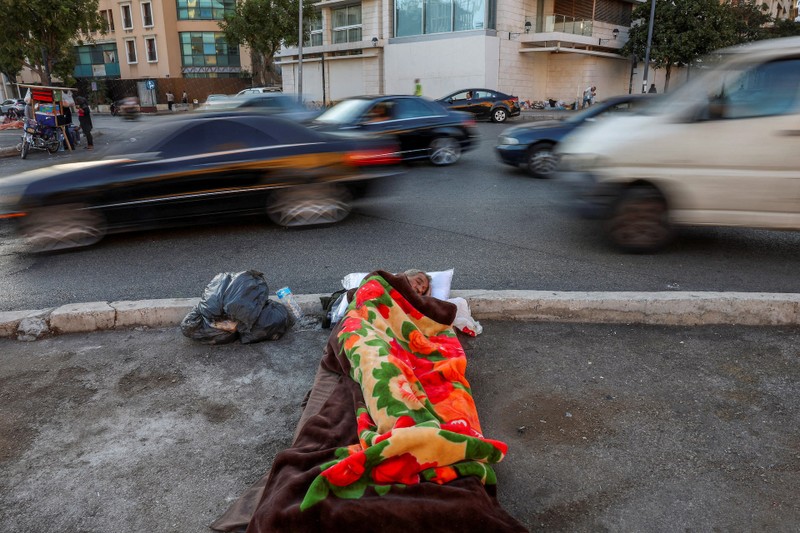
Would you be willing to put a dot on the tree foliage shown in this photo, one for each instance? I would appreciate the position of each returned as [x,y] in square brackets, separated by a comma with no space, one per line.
[41,34]
[685,30]
[265,25]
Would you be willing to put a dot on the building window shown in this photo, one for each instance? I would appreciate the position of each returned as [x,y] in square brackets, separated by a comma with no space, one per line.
[150,48]
[346,24]
[315,37]
[130,48]
[108,17]
[127,18]
[207,49]
[96,61]
[205,9]
[147,15]
[418,17]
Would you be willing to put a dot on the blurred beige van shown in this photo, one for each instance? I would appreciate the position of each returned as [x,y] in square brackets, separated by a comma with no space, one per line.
[722,150]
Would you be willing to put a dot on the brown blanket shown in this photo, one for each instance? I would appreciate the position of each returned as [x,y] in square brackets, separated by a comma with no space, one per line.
[328,424]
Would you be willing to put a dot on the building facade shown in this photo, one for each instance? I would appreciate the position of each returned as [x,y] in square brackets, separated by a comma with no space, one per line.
[534,49]
[161,39]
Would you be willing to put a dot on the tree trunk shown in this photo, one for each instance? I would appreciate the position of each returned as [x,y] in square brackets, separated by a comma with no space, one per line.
[666,78]
[257,61]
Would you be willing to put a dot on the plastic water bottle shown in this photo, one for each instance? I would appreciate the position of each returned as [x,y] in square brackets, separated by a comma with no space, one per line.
[287,298]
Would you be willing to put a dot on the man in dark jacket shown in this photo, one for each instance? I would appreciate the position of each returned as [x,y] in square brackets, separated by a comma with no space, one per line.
[85,119]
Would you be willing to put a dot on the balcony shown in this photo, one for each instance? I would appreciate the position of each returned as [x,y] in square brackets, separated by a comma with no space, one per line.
[565,33]
[567,24]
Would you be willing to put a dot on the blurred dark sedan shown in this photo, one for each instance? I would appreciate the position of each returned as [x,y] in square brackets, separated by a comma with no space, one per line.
[483,103]
[196,169]
[272,103]
[532,145]
[423,128]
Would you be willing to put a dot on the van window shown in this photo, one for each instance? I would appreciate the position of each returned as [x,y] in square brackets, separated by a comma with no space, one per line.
[768,89]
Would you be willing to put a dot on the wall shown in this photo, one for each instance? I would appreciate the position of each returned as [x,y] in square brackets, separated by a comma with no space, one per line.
[443,65]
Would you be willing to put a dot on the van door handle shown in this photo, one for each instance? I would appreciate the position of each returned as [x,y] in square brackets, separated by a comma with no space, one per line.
[790,133]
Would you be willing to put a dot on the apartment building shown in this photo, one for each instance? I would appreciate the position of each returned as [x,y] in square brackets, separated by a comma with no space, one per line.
[161,39]
[535,49]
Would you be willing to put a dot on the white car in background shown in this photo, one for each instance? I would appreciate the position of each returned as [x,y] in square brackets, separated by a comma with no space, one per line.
[722,150]
[258,90]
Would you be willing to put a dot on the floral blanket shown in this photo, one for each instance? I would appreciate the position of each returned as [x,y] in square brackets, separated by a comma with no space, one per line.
[390,439]
[419,420]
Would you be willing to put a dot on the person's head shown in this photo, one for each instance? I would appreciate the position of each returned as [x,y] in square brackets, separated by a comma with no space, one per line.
[419,280]
[416,80]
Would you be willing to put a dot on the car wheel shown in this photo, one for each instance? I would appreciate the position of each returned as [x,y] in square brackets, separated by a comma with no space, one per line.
[309,206]
[62,227]
[499,115]
[541,161]
[444,151]
[640,222]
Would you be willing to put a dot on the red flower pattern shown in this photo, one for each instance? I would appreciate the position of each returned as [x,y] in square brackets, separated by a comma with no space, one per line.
[347,471]
[368,291]
[398,469]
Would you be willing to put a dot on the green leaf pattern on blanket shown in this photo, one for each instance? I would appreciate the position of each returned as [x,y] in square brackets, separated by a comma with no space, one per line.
[419,422]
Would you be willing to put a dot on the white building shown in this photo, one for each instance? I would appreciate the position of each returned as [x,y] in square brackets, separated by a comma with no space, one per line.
[533,49]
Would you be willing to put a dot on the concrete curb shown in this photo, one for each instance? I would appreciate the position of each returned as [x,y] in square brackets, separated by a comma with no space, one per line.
[667,308]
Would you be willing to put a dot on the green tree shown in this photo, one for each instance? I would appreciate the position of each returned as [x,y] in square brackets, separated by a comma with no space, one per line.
[748,20]
[785,28]
[264,26]
[685,30]
[40,34]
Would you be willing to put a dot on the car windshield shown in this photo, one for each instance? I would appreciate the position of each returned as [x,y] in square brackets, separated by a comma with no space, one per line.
[706,78]
[142,139]
[345,112]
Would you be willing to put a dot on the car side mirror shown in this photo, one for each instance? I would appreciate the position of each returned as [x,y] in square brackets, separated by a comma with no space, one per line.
[449,100]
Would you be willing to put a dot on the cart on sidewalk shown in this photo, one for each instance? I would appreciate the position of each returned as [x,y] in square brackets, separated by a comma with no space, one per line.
[47,122]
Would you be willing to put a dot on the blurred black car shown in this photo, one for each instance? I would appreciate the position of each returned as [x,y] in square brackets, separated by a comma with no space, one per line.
[483,103]
[423,128]
[532,145]
[271,103]
[197,168]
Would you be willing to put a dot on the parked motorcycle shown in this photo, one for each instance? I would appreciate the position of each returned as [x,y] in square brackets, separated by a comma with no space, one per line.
[39,137]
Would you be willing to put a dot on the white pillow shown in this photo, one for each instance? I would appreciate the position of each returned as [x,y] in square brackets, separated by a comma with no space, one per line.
[440,282]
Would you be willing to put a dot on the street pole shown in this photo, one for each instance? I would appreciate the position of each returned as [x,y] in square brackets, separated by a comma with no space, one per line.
[649,42]
[300,57]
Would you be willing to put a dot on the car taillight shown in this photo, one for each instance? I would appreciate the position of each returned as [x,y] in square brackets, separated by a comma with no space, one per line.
[470,123]
[364,158]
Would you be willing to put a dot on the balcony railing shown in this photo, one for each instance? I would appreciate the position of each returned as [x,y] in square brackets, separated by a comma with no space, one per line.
[560,23]
[567,24]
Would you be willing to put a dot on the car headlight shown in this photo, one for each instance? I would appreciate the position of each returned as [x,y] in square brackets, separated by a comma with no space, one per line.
[506,140]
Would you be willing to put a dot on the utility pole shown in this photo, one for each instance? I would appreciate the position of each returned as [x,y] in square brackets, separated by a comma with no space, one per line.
[300,57]
[649,42]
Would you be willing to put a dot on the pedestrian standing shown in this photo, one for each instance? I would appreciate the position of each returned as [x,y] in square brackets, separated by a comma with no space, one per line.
[185,98]
[417,87]
[588,96]
[85,120]
[652,89]
[170,100]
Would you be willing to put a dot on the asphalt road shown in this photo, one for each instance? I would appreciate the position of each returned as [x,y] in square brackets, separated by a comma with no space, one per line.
[497,227]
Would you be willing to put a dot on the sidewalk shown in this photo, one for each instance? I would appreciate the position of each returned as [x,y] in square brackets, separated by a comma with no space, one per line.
[618,427]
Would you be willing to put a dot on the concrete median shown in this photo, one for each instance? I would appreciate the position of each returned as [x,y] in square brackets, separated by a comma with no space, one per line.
[658,308]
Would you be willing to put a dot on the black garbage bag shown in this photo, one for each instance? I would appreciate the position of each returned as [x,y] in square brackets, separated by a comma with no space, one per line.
[236,306]
[271,324]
